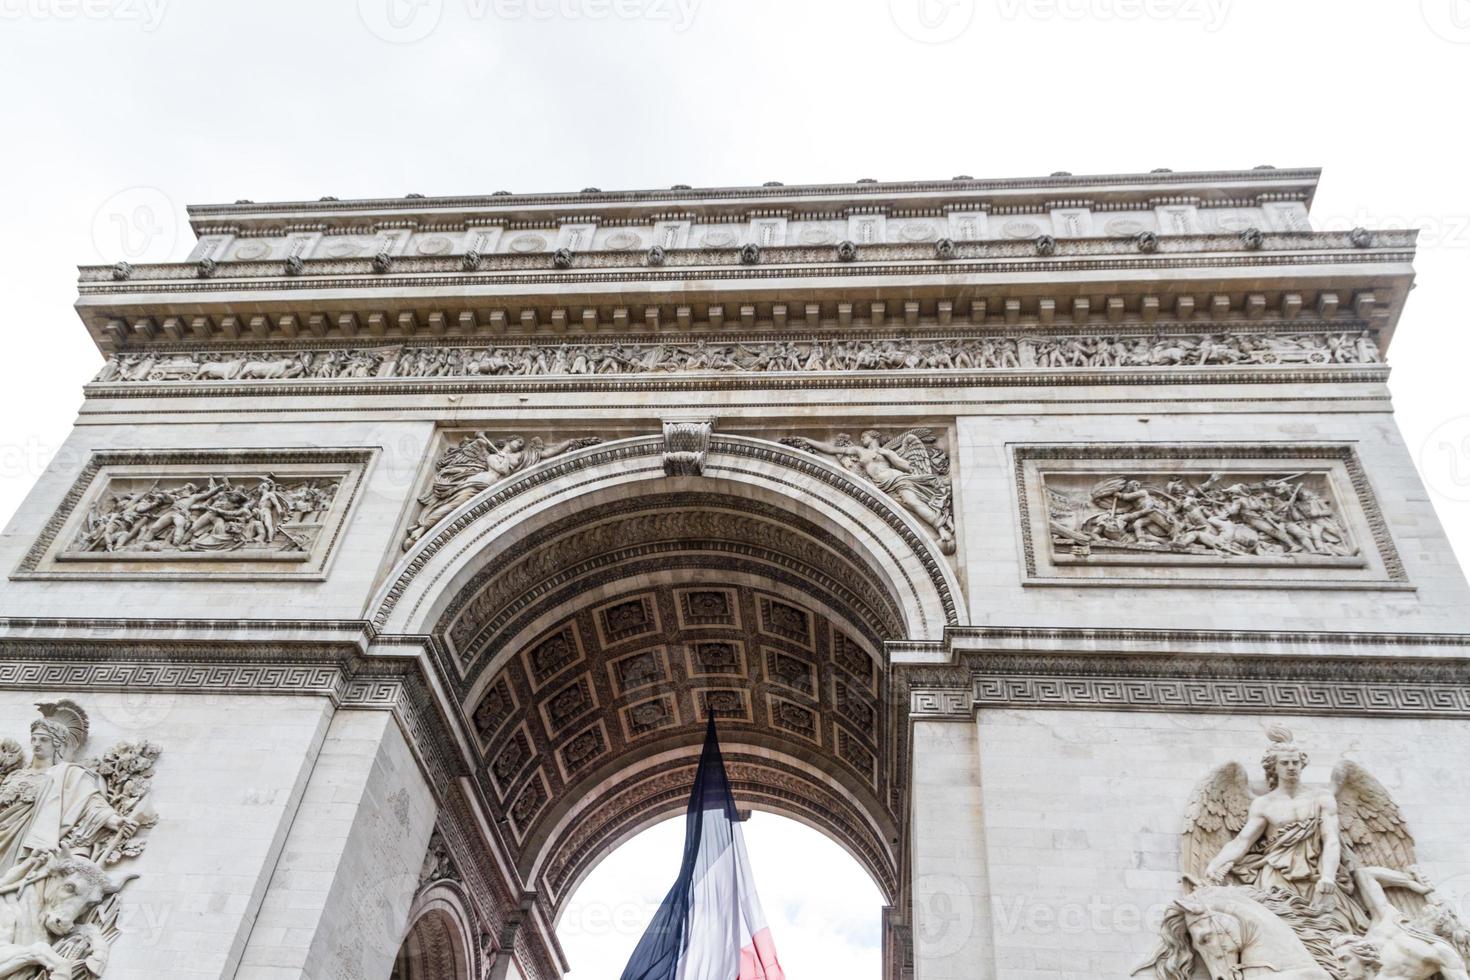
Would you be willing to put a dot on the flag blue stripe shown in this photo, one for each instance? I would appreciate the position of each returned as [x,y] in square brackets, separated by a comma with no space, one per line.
[657,955]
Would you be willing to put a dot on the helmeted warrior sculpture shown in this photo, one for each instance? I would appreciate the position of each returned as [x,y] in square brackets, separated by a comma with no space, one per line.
[61,824]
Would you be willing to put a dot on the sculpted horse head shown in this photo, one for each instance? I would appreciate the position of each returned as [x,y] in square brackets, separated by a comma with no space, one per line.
[1234,933]
[60,900]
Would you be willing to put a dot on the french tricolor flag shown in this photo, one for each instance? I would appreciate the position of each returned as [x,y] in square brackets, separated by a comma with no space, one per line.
[710,926]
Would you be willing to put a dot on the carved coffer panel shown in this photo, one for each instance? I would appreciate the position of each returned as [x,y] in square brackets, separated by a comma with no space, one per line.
[1238,515]
[256,514]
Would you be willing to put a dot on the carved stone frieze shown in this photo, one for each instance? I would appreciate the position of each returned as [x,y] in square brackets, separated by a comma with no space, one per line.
[241,514]
[1195,513]
[1129,518]
[63,823]
[177,517]
[829,354]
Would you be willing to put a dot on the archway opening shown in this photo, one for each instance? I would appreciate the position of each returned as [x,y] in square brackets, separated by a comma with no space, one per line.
[824,910]
[592,653]
[436,948]
[591,616]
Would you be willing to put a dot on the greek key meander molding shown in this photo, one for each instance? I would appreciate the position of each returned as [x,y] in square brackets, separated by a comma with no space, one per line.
[55,553]
[1163,461]
[1375,686]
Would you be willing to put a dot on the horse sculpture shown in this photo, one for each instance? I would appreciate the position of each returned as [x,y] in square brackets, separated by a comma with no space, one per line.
[45,927]
[1242,933]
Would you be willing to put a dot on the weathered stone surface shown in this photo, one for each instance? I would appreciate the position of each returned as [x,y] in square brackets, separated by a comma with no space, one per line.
[988,518]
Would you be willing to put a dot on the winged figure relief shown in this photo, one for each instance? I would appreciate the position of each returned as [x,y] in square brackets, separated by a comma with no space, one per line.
[910,467]
[476,462]
[1290,879]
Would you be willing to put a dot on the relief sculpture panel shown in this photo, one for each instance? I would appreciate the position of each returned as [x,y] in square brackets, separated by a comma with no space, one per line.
[268,513]
[1201,513]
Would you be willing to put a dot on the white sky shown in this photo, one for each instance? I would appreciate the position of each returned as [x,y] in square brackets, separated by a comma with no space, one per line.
[835,936]
[118,112]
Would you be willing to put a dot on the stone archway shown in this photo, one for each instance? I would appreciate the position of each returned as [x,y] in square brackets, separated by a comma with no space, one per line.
[593,612]
[438,944]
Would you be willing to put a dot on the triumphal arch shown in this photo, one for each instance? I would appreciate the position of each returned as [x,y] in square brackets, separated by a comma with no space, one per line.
[1027,537]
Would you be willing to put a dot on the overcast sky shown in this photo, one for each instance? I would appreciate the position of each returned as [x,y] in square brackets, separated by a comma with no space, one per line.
[118,112]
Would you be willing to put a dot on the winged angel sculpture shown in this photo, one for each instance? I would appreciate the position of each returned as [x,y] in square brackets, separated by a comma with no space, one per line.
[910,467]
[1303,882]
[477,461]
[62,824]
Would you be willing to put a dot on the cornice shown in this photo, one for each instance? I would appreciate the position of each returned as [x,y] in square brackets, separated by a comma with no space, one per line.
[1297,184]
[1088,283]
[1006,255]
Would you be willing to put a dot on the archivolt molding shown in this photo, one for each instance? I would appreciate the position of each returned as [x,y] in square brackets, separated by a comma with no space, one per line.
[441,942]
[689,530]
[426,582]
